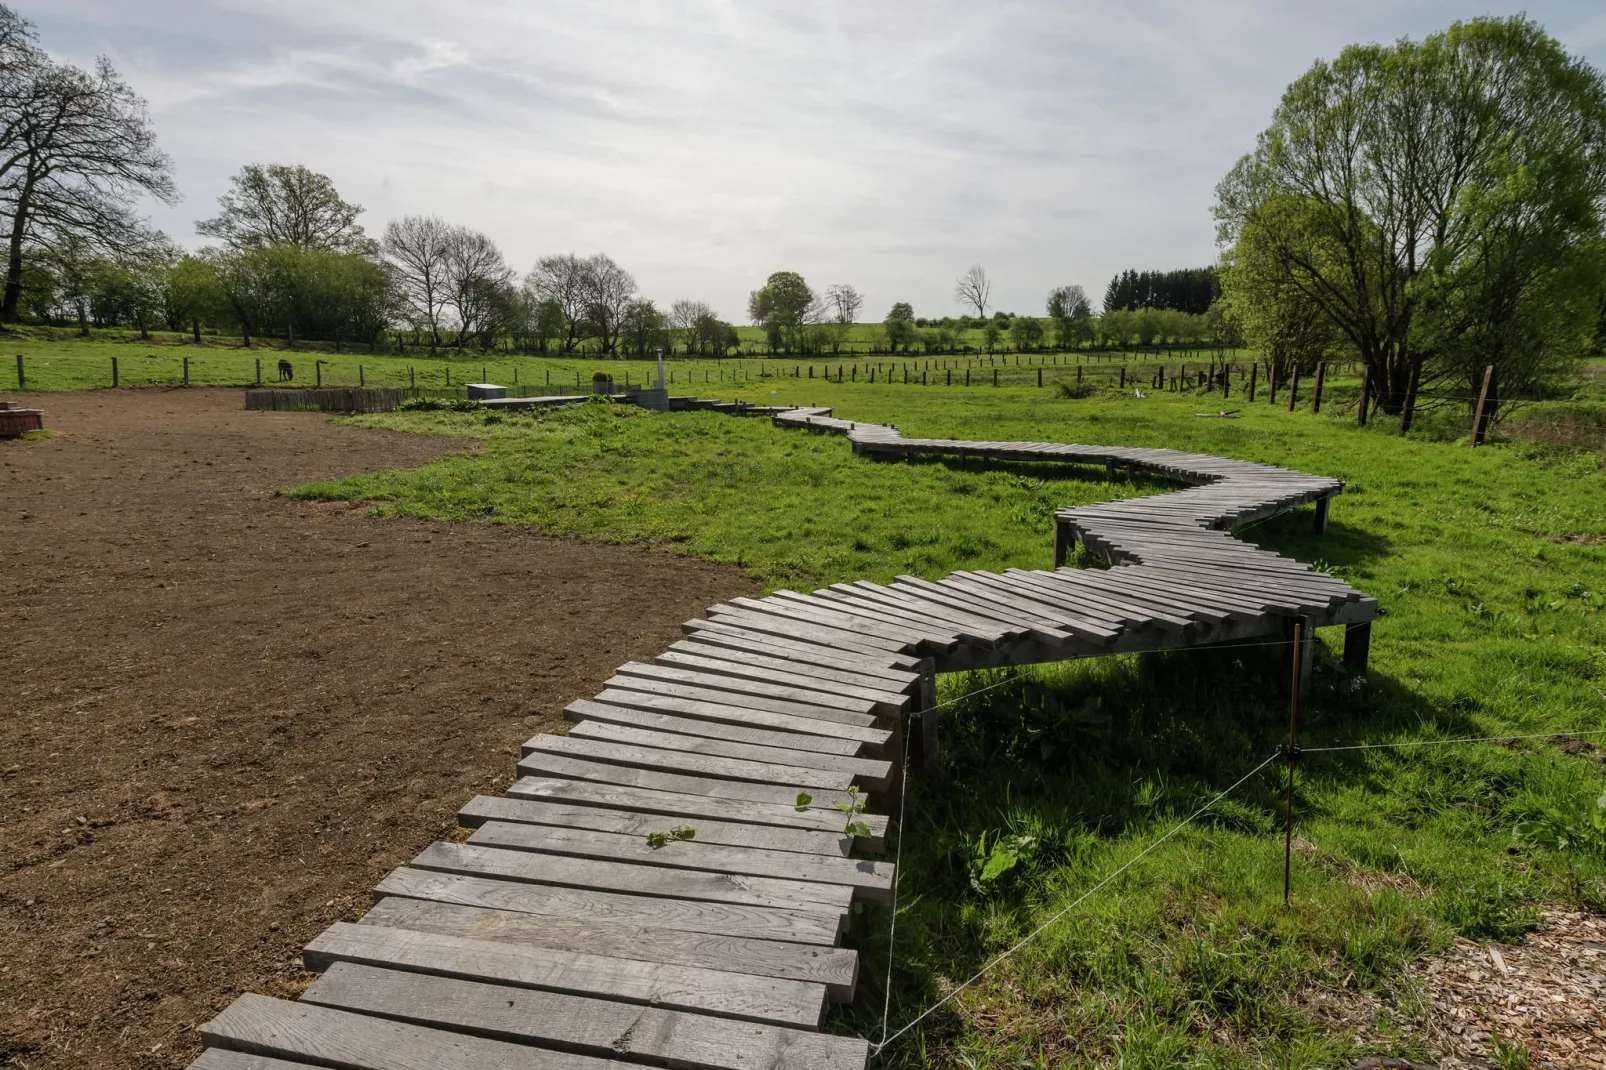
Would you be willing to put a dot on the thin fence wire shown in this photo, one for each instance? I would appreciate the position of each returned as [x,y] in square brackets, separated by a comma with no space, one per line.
[1280,754]
[876,1049]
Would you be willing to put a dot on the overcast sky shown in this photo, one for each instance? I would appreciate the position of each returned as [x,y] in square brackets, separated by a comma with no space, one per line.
[705,144]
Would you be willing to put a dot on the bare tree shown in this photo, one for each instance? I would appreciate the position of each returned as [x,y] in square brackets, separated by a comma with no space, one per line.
[563,280]
[612,288]
[80,149]
[844,302]
[975,289]
[475,276]
[415,250]
[687,318]
[279,204]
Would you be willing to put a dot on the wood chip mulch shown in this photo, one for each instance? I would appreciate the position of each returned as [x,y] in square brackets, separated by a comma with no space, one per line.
[1546,996]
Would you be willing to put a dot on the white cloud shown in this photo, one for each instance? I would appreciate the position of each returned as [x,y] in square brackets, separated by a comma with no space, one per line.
[704,144]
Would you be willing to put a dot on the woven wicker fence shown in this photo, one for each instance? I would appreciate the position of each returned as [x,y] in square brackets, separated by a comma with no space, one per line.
[324,399]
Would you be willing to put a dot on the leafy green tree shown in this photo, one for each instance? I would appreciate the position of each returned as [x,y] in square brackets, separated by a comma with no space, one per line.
[1449,197]
[991,332]
[1269,310]
[1070,313]
[1026,333]
[280,204]
[899,327]
[782,308]
[193,295]
[643,329]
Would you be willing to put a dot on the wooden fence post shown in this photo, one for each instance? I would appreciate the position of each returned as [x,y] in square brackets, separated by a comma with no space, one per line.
[1039,376]
[360,380]
[186,371]
[1293,389]
[1366,394]
[1484,414]
[259,371]
[1316,394]
[1408,413]
[1271,382]
[317,372]
[1254,373]
[114,371]
[995,376]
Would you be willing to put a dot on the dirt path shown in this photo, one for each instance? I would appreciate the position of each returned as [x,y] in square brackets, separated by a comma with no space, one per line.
[224,715]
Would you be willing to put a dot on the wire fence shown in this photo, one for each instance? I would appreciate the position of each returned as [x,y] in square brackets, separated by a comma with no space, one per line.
[1291,753]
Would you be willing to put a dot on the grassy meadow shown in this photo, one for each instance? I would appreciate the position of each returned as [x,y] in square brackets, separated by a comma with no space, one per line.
[59,360]
[1487,562]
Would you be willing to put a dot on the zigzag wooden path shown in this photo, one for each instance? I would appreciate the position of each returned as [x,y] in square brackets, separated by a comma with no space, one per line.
[557,936]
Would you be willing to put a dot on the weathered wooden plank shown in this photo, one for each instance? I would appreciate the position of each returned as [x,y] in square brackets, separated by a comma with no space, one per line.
[835,968]
[583,710]
[873,662]
[657,700]
[888,701]
[797,777]
[581,1024]
[745,700]
[795,628]
[659,984]
[475,860]
[822,615]
[549,764]
[972,632]
[483,808]
[869,773]
[895,681]
[334,1038]
[580,904]
[899,625]
[871,881]
[223,1059]
[713,681]
[561,787]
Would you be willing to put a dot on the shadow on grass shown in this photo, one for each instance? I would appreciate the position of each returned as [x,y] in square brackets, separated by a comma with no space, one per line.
[1053,779]
[1293,535]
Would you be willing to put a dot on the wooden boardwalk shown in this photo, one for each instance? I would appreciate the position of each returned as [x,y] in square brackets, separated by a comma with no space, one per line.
[557,936]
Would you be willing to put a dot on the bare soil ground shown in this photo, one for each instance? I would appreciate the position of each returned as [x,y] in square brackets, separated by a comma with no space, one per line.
[225,715]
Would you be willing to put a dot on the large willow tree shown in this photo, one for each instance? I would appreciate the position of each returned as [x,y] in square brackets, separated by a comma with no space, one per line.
[1440,203]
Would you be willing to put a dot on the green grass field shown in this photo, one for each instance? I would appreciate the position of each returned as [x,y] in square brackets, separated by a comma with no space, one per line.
[58,360]
[1487,562]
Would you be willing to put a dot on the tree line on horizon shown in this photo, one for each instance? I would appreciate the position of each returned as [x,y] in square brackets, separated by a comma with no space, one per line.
[1346,234]
[290,260]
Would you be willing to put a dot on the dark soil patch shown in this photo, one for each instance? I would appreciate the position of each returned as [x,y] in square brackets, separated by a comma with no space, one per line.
[225,715]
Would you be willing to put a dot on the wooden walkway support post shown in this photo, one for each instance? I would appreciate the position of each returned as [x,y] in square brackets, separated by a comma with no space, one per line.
[1322,505]
[1357,647]
[1316,391]
[1487,403]
[1293,758]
